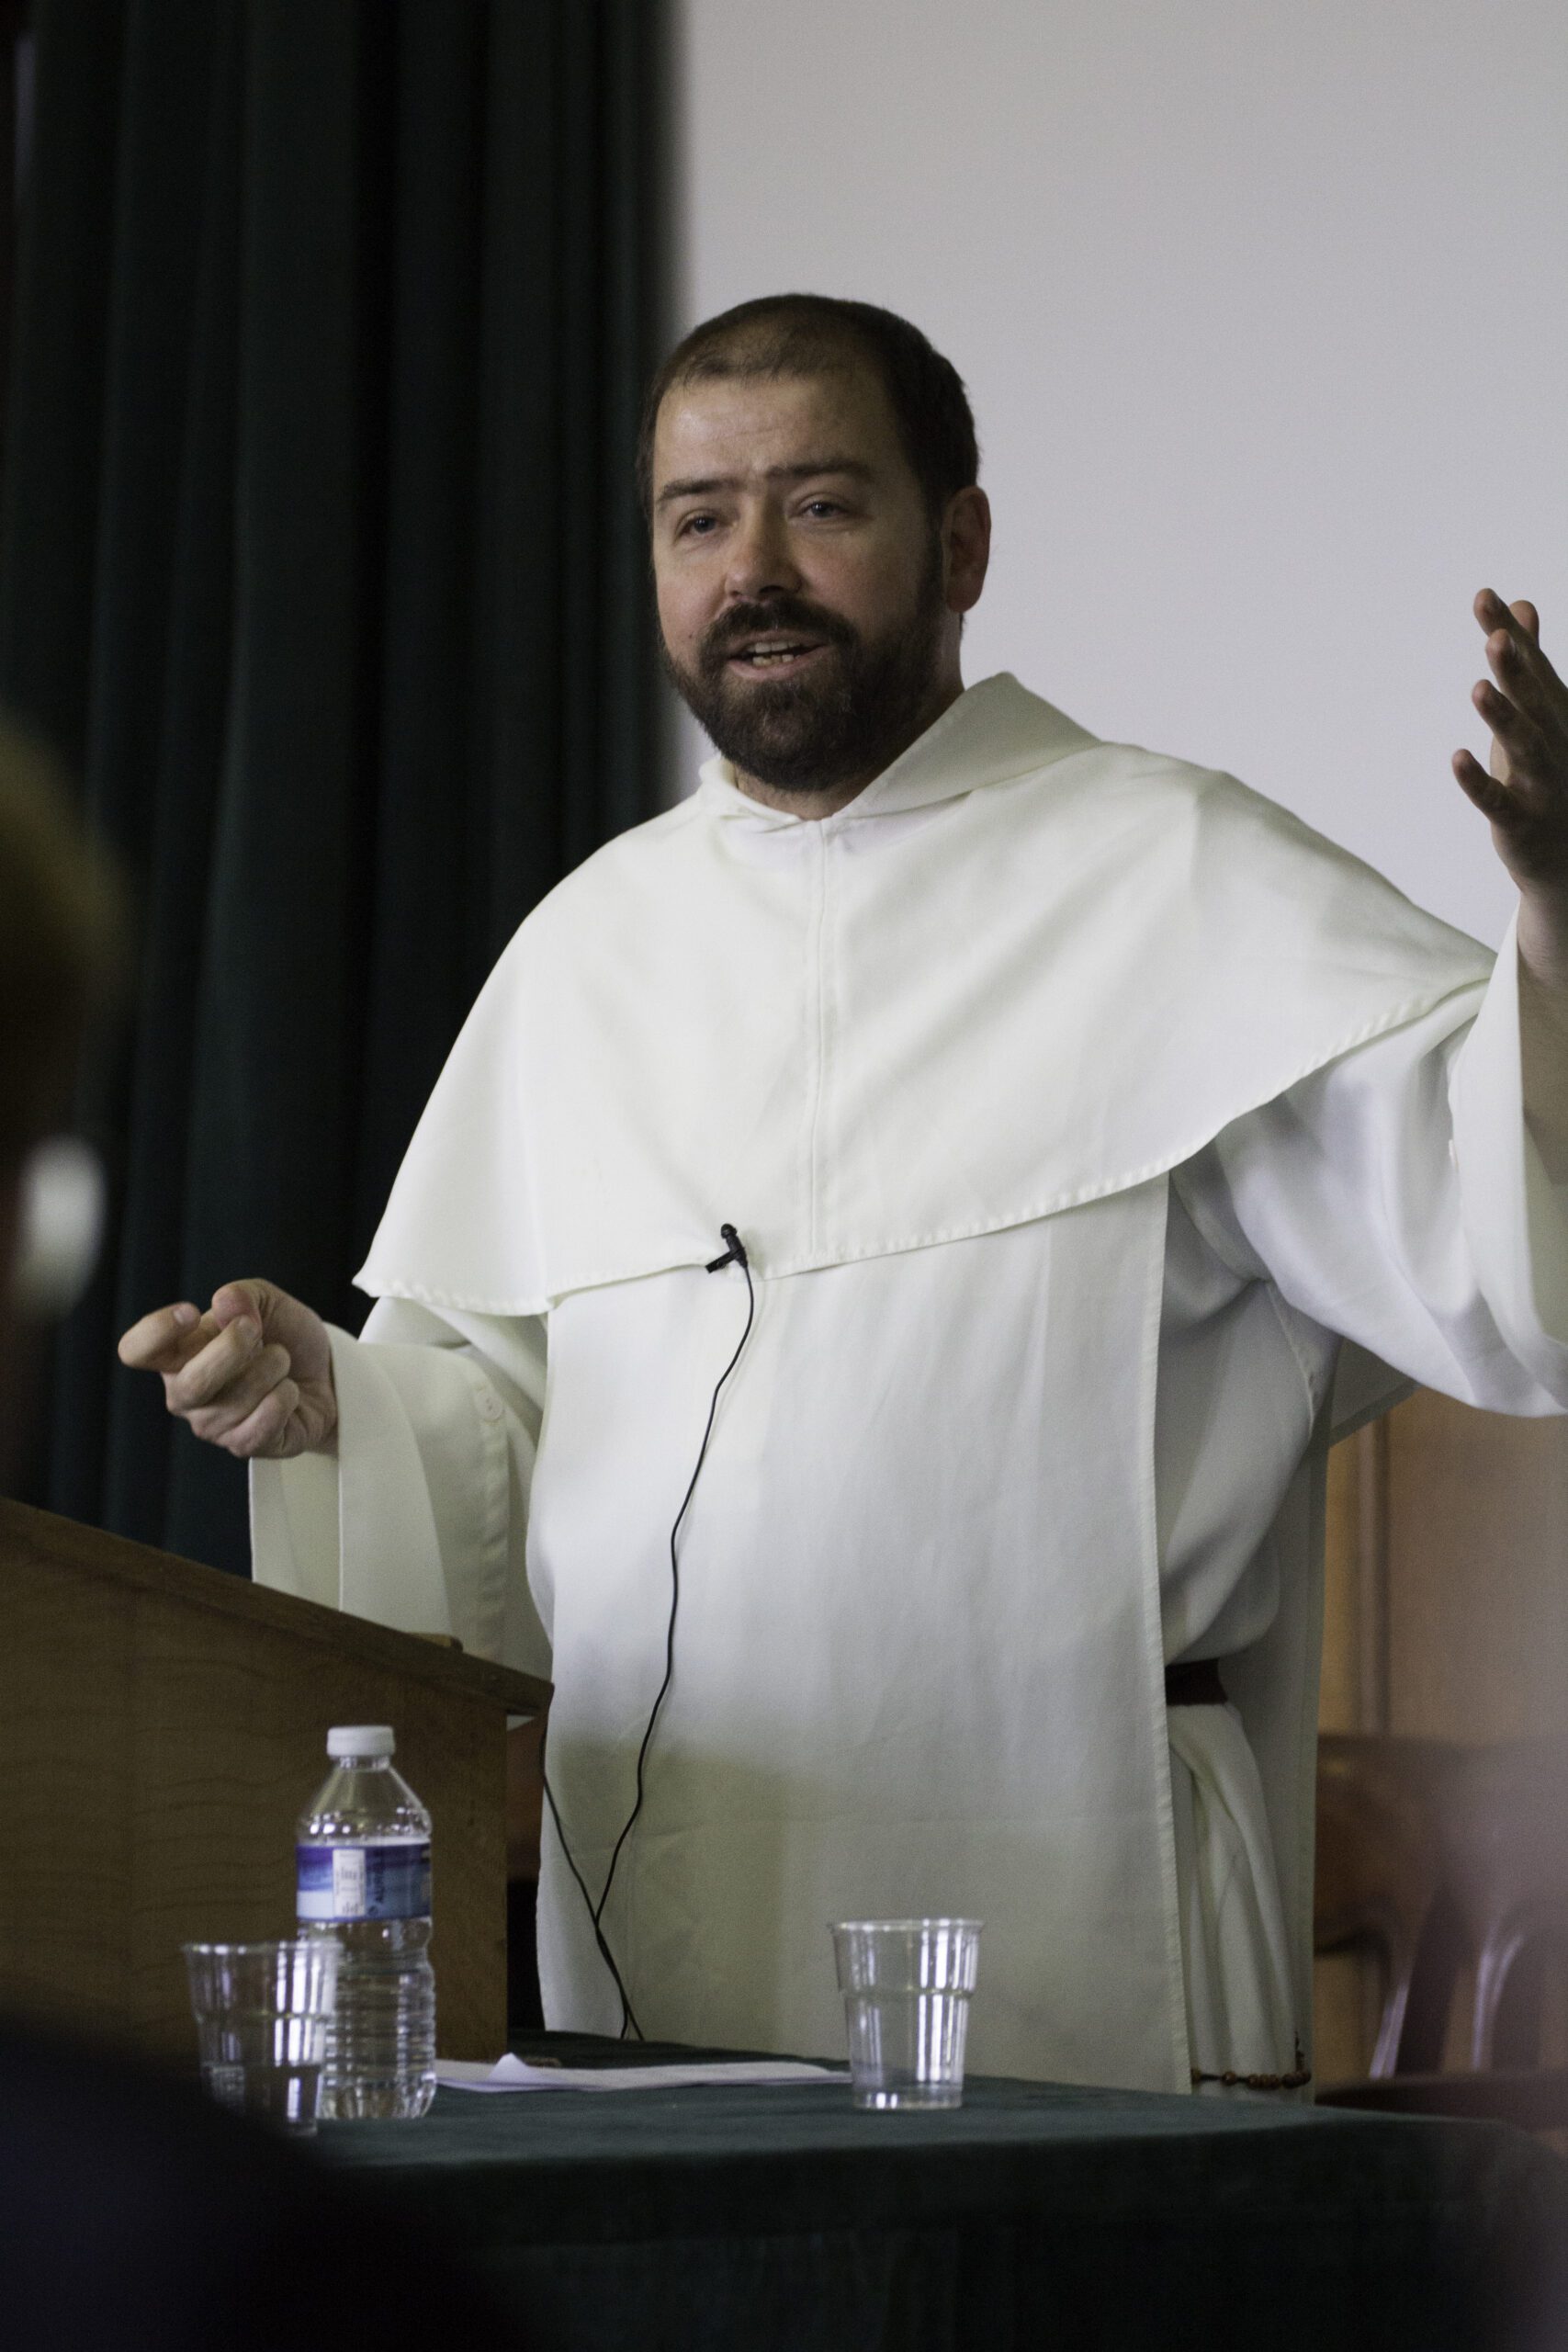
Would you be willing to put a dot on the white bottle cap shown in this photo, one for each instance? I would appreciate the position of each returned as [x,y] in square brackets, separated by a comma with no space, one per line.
[361,1739]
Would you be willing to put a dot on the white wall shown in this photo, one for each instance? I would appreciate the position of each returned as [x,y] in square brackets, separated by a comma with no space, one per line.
[1263,309]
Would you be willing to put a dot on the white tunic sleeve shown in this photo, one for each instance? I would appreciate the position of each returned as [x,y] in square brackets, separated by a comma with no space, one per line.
[1397,1199]
[417,1516]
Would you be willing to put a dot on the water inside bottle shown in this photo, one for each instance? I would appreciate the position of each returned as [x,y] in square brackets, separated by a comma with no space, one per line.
[363,1876]
[382,2044]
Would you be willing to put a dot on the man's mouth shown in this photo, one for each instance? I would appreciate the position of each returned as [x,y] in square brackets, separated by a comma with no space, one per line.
[776,654]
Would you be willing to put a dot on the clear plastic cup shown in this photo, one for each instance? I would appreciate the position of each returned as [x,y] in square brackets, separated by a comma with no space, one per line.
[906,1984]
[261,2012]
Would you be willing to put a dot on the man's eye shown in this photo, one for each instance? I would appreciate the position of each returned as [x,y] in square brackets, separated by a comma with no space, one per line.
[697,525]
[823,506]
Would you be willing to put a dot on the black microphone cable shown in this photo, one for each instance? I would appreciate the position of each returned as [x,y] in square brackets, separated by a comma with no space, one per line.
[734,1253]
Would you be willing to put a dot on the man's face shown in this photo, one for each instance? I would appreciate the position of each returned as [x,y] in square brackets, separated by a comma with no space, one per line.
[800,579]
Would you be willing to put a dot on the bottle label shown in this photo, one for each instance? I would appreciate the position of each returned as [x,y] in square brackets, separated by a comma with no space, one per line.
[390,1880]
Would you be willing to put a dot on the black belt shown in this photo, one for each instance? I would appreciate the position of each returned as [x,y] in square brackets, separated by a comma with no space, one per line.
[1196,1683]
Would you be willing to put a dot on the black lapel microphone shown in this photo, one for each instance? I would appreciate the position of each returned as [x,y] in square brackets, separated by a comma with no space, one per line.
[734,1254]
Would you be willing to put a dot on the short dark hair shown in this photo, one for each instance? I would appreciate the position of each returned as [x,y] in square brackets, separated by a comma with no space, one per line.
[813,334]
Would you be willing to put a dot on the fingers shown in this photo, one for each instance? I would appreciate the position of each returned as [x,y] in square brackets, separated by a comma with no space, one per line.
[1523,670]
[168,1339]
[164,1339]
[1494,800]
[205,1377]
[1492,613]
[1513,648]
[241,1395]
[271,1430]
[1513,630]
[237,1400]
[231,1300]
[236,1385]
[1527,709]
[1517,733]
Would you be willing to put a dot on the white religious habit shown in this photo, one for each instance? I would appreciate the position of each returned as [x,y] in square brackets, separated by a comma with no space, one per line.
[1077,1107]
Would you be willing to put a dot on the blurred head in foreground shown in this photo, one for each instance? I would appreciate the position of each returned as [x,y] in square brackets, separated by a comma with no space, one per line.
[134,2215]
[61,934]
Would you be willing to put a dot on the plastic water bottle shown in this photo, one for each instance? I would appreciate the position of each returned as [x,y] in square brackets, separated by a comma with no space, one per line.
[363,1875]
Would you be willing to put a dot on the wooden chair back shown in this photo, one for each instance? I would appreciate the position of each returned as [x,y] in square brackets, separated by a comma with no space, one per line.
[1454,1863]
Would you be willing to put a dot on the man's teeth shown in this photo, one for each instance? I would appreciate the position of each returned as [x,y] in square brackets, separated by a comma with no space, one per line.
[763,653]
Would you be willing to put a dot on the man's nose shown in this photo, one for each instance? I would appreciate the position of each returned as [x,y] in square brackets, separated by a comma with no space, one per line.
[760,560]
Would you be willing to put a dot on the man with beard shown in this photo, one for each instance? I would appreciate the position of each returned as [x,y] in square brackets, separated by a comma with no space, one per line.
[1021,1154]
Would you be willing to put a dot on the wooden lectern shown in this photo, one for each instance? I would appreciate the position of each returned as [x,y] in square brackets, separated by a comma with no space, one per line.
[162,1727]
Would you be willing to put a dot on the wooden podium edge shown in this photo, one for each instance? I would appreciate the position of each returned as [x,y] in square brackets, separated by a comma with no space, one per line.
[43,1539]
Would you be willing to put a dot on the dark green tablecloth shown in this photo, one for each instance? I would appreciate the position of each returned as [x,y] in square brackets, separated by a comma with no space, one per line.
[780,2219]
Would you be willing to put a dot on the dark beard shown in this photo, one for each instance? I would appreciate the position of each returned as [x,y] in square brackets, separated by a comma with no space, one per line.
[845,718]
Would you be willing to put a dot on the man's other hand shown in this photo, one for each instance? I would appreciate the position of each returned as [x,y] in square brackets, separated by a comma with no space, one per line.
[253,1374]
[1526,793]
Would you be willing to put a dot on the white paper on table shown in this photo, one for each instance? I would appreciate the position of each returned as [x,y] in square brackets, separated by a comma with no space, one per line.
[512,2073]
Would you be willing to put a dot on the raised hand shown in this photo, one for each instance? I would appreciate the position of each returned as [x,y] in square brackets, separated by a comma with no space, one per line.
[1526,793]
[253,1374]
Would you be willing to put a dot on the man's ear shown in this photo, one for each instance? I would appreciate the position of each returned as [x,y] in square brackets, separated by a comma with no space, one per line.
[965,548]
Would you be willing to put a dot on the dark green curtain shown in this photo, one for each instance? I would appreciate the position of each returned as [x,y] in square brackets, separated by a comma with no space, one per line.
[320,564]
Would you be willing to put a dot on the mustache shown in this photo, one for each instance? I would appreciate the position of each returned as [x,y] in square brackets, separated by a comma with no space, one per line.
[783,612]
